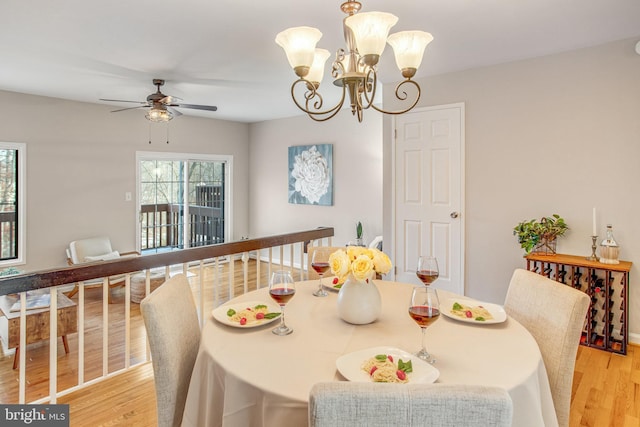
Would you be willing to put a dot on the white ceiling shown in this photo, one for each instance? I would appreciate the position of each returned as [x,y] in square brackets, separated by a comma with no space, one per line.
[222,52]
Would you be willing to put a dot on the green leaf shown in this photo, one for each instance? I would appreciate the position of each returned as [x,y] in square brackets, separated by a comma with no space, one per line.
[457,306]
[405,366]
[231,312]
[260,306]
[381,357]
[480,319]
[271,315]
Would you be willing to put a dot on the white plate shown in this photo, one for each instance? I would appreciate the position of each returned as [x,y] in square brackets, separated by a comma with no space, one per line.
[327,283]
[497,311]
[350,365]
[220,313]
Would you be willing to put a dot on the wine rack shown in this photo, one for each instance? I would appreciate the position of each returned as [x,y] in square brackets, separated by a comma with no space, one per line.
[606,323]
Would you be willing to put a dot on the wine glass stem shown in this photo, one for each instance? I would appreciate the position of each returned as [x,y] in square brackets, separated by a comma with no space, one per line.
[424,334]
[320,283]
[282,325]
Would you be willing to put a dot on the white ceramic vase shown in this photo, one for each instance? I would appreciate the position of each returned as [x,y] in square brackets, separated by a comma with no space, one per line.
[359,302]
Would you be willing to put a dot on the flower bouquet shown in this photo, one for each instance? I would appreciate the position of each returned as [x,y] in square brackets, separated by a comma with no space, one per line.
[361,263]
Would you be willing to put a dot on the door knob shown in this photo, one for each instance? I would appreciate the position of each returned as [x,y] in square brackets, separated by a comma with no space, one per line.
[454,215]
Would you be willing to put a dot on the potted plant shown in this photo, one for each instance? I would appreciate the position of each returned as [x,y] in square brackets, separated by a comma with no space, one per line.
[540,236]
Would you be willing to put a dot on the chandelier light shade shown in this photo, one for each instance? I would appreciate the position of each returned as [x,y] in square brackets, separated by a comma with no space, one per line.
[354,68]
[370,30]
[299,43]
[316,72]
[408,47]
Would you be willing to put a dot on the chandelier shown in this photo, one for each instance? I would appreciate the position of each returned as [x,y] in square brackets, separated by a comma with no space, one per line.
[354,68]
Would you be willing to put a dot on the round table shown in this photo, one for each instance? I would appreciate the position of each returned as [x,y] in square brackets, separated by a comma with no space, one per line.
[251,377]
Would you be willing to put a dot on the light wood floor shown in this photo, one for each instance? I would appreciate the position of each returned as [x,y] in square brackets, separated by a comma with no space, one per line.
[606,388]
[606,392]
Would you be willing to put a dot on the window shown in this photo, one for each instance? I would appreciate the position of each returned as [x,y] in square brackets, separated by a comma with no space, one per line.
[12,196]
[183,200]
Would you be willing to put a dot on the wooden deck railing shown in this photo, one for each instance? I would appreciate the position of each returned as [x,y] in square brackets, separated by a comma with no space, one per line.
[193,259]
[162,225]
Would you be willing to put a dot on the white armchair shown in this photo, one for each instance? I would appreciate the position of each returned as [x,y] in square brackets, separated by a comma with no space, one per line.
[95,249]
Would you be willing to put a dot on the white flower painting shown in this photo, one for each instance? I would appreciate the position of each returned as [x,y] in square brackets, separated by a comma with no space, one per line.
[311,174]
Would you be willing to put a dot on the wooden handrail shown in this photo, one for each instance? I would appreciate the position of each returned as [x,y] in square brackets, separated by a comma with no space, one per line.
[61,276]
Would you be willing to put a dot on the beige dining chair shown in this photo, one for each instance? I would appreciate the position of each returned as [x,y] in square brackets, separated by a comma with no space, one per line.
[554,314]
[343,403]
[311,273]
[171,320]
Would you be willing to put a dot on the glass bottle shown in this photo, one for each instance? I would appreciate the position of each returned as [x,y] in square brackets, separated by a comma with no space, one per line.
[609,249]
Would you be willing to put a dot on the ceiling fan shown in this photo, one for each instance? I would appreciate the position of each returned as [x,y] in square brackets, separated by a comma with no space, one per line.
[161,105]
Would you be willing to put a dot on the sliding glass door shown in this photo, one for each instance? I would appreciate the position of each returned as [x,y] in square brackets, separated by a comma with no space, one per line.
[182,201]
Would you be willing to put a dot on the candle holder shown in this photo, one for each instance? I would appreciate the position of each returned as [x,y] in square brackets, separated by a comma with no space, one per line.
[593,256]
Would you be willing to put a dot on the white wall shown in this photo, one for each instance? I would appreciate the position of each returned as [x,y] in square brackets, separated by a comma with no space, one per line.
[556,134]
[357,174]
[81,161]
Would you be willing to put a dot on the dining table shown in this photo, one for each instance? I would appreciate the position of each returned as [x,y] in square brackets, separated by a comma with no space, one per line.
[248,376]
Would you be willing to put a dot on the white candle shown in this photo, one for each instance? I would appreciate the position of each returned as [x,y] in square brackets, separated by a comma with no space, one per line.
[595,232]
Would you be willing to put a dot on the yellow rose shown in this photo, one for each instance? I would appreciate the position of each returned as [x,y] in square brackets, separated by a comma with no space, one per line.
[362,267]
[355,251]
[381,261]
[339,263]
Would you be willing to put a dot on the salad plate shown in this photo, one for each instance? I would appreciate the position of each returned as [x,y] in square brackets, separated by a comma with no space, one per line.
[448,306]
[223,313]
[350,365]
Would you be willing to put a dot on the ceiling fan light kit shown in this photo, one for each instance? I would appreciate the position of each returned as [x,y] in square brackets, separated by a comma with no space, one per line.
[159,114]
[162,107]
[354,68]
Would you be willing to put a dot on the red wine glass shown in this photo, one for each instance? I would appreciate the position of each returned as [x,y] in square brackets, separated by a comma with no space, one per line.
[320,263]
[427,270]
[424,309]
[282,288]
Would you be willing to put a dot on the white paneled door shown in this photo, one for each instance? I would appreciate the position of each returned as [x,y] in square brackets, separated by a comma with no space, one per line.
[429,186]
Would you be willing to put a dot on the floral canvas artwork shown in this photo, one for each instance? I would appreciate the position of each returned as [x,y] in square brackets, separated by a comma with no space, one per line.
[311,174]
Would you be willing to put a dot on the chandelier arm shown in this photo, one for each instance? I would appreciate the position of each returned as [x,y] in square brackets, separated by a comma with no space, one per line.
[402,97]
[317,104]
[373,85]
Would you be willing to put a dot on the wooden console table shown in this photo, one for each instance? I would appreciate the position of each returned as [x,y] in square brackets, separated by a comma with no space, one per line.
[37,323]
[606,324]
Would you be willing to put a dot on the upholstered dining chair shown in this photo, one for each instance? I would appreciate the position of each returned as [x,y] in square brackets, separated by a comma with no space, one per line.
[171,319]
[312,275]
[554,314]
[352,404]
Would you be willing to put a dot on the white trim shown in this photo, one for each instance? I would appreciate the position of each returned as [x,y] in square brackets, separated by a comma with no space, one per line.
[228,170]
[634,339]
[21,256]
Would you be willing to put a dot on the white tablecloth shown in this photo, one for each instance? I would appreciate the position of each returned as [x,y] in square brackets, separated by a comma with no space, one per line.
[251,377]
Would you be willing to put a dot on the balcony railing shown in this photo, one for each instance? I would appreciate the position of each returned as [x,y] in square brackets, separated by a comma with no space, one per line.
[201,263]
[162,225]
[8,235]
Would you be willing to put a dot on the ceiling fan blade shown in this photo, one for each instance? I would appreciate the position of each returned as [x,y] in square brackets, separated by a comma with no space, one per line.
[174,112]
[196,107]
[130,108]
[122,100]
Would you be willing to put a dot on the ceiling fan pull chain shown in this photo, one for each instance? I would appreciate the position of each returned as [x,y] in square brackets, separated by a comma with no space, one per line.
[167,132]
[149,133]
